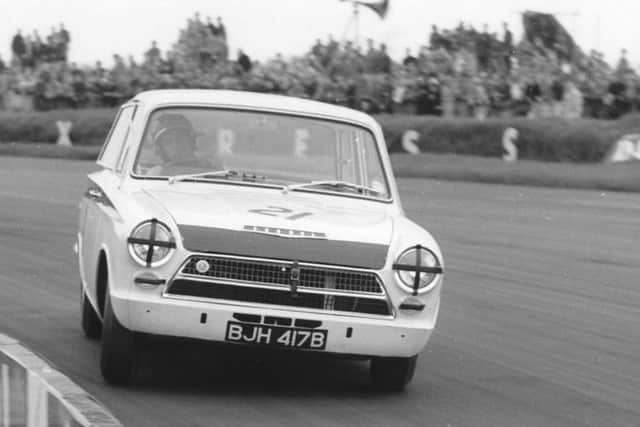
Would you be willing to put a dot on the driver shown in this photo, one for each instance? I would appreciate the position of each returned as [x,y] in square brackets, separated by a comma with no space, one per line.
[175,143]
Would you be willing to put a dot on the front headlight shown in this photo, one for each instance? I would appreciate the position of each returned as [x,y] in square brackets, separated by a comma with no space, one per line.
[151,243]
[416,269]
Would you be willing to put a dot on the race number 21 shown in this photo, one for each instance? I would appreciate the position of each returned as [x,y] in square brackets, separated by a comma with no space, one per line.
[280,212]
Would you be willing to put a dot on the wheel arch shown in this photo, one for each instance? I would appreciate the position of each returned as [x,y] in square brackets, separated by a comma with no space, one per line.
[102,280]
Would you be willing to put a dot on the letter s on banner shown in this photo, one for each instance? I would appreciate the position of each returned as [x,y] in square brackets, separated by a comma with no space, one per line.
[509,139]
[409,142]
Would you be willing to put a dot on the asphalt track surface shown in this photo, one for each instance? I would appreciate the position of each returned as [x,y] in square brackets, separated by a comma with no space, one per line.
[539,325]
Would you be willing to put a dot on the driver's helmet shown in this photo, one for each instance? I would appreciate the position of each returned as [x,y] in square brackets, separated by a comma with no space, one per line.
[174,129]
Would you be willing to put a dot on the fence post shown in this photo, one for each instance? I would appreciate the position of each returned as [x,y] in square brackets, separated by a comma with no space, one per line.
[4,375]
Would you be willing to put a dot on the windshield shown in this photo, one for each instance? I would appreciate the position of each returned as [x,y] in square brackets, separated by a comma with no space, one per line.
[282,149]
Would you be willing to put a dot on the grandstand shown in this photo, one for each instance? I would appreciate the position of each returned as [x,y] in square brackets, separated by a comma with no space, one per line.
[462,72]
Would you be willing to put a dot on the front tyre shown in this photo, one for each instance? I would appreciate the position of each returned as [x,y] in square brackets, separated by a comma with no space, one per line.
[91,324]
[392,373]
[119,358]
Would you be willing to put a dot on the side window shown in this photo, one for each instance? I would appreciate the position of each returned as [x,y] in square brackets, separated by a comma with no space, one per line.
[112,149]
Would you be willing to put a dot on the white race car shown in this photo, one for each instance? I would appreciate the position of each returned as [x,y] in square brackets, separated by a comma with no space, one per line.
[255,220]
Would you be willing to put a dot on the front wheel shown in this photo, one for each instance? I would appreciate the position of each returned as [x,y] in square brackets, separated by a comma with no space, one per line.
[392,373]
[119,358]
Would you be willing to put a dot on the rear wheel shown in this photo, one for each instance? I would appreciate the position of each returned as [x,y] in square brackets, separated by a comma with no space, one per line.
[392,373]
[119,358]
[91,324]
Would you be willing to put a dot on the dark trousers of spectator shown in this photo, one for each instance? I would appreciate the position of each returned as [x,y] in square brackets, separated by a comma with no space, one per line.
[507,62]
[520,108]
[616,110]
[622,107]
[483,62]
[425,106]
[593,108]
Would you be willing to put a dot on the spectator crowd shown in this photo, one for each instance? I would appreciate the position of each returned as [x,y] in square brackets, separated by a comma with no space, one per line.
[460,72]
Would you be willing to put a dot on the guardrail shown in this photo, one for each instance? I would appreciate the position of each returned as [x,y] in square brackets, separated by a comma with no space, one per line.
[34,394]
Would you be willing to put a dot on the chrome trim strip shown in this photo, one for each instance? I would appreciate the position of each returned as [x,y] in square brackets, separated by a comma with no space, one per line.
[279,232]
[276,286]
[279,261]
[287,308]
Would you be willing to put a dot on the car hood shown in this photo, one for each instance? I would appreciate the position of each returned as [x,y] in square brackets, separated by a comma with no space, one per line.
[267,223]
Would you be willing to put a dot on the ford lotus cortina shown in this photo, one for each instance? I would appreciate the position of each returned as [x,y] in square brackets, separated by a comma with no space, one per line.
[253,220]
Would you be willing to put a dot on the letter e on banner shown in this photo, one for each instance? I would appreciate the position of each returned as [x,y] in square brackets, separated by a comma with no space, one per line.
[301,142]
[225,141]
[410,142]
[509,139]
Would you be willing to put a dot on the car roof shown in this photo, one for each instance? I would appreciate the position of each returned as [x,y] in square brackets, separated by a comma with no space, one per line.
[239,99]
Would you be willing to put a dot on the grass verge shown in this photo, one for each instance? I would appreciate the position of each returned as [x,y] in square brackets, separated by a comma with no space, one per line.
[52,151]
[450,167]
[552,140]
[557,140]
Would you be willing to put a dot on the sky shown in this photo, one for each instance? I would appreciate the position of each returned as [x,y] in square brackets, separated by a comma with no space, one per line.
[264,27]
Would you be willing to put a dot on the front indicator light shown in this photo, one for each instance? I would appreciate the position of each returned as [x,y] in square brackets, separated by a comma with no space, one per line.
[148,281]
[416,269]
[413,304]
[151,244]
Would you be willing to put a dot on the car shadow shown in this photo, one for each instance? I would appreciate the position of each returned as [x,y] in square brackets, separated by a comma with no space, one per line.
[184,366]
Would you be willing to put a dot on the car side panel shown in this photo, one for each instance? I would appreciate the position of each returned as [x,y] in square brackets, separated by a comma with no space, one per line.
[88,243]
[99,215]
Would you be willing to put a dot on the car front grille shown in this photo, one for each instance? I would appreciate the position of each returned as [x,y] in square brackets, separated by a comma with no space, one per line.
[270,282]
[270,272]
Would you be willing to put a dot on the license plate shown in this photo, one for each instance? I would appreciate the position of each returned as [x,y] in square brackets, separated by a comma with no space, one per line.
[276,336]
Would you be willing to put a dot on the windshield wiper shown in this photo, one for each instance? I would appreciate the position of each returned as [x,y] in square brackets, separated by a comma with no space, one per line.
[334,184]
[224,173]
